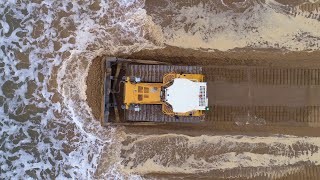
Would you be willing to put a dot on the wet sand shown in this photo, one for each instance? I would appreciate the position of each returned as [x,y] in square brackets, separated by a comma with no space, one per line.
[298,96]
[157,143]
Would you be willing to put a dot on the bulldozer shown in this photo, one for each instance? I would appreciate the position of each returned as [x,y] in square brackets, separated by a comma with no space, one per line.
[137,91]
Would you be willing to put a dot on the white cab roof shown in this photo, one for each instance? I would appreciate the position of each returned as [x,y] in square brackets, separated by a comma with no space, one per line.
[185,95]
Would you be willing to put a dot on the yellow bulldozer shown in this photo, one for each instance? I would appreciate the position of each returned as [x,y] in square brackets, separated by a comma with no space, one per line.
[152,91]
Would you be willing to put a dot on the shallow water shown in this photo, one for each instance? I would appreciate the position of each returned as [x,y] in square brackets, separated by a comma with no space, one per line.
[47,129]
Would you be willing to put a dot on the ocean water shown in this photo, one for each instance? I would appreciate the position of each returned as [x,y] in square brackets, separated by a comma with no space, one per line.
[47,129]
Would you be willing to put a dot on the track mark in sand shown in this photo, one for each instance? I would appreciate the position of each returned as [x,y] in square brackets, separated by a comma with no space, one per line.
[260,115]
[264,75]
[308,9]
[259,95]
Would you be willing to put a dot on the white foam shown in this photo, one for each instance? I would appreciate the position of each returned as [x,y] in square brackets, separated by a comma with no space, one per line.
[63,125]
[5,26]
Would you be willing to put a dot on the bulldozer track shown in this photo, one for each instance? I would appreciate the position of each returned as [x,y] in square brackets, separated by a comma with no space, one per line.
[309,172]
[262,75]
[306,9]
[298,172]
[155,73]
[269,114]
[310,7]
[153,113]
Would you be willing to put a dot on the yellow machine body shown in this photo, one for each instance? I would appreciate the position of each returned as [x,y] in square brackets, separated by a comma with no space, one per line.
[142,93]
[151,93]
[193,77]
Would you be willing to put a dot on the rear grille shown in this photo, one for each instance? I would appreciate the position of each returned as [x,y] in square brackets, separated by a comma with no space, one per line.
[202,96]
